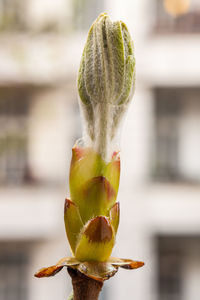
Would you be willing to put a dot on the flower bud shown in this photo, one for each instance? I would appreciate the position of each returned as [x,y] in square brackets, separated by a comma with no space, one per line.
[106,80]
[105,84]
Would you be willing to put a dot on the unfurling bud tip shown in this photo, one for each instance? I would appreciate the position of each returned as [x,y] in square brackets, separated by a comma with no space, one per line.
[106,80]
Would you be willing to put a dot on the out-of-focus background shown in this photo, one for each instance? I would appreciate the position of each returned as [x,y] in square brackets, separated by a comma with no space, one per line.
[41,45]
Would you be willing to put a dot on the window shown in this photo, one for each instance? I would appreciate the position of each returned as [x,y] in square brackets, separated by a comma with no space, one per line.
[14,106]
[178,267]
[12,14]
[13,273]
[85,12]
[169,270]
[188,23]
[167,116]
[177,142]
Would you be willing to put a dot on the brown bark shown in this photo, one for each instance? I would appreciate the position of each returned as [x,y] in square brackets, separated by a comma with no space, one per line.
[84,288]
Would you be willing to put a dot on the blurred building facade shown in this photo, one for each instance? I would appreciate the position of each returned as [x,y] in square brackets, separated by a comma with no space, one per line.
[41,45]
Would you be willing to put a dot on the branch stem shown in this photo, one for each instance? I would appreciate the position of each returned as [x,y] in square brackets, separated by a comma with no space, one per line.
[84,287]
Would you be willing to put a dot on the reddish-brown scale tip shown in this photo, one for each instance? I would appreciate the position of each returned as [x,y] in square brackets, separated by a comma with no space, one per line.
[77,153]
[99,230]
[67,204]
[115,155]
[133,265]
[47,272]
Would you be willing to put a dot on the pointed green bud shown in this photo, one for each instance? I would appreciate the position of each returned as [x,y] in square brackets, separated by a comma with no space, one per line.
[106,80]
[73,223]
[107,68]
[96,240]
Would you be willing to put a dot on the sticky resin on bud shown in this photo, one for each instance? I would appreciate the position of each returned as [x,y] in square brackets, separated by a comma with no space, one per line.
[106,82]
